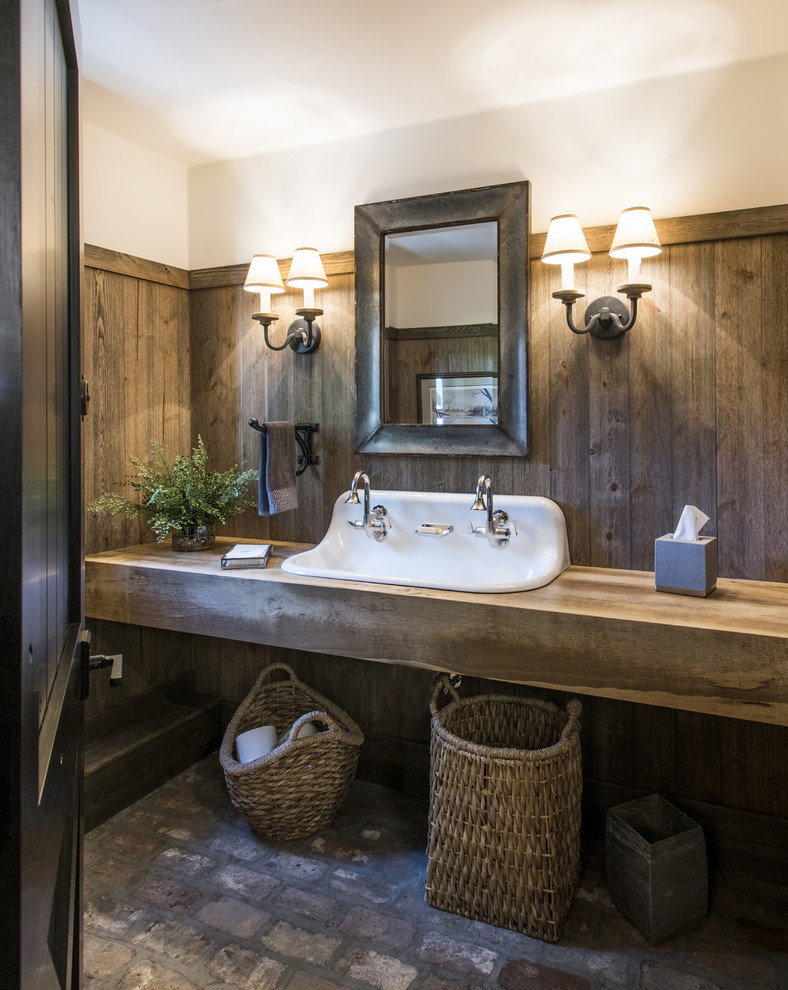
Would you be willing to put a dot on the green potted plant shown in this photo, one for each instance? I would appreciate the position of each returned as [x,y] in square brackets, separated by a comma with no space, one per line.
[180,495]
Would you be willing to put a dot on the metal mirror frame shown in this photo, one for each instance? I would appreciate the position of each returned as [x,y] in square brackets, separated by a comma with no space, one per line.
[509,205]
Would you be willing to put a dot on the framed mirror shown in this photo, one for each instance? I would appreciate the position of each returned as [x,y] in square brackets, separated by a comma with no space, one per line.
[441,323]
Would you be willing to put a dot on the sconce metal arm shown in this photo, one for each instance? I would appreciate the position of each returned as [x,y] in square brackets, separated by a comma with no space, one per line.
[303,335]
[607,316]
[266,320]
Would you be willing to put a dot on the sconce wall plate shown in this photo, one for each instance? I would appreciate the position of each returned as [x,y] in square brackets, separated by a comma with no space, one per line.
[599,317]
[304,335]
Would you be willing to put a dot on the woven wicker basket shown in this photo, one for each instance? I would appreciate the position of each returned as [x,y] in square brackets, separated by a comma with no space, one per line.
[297,788]
[504,827]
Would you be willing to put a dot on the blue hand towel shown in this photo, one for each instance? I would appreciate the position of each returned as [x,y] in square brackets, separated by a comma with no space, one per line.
[277,485]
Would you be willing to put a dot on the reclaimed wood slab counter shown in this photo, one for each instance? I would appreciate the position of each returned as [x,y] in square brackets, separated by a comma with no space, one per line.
[594,631]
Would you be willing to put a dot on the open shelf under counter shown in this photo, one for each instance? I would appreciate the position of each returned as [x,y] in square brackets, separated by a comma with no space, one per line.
[594,631]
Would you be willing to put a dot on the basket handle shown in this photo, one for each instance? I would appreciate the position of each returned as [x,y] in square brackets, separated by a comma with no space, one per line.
[315,716]
[573,709]
[277,666]
[443,682]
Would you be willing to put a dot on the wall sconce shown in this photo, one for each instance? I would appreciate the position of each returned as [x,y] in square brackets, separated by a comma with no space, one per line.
[635,238]
[307,273]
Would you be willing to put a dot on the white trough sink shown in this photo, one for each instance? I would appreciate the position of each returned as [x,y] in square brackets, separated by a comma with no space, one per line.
[457,561]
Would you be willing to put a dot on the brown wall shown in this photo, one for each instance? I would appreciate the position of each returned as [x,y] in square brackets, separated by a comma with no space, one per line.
[431,351]
[135,344]
[690,407]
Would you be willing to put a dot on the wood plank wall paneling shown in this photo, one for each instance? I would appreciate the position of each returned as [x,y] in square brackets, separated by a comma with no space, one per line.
[236,378]
[741,428]
[407,359]
[690,407]
[129,264]
[136,359]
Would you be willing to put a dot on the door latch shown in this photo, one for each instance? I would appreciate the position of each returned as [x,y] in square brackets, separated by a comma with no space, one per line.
[90,663]
[115,660]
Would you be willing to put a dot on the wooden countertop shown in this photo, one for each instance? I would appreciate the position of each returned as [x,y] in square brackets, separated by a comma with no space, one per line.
[595,631]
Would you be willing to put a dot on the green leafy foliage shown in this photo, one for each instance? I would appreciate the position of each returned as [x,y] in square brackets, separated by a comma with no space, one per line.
[177,492]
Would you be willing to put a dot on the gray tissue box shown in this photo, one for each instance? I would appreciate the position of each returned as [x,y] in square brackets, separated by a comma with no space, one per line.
[686,567]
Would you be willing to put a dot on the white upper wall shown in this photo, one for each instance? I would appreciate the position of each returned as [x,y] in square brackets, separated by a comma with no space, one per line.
[441,294]
[698,143]
[695,143]
[134,200]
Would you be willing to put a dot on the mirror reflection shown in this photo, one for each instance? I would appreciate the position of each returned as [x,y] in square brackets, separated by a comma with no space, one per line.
[440,346]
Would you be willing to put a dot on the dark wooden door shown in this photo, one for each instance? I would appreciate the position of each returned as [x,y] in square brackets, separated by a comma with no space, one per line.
[40,494]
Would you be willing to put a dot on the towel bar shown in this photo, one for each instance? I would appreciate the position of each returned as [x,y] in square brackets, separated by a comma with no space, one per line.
[303,435]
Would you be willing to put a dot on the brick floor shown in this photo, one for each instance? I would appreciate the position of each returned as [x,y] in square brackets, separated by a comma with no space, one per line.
[180,894]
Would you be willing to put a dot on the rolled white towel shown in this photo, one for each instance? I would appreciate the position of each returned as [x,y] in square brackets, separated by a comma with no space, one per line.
[254,743]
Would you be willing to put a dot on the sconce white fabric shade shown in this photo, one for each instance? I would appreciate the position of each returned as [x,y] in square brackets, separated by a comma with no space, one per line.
[264,275]
[636,236]
[565,241]
[306,270]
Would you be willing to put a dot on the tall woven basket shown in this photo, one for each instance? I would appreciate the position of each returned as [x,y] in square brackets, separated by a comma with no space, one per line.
[295,789]
[504,825]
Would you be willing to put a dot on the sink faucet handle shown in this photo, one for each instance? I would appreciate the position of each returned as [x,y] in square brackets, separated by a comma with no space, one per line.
[498,528]
[374,522]
[381,513]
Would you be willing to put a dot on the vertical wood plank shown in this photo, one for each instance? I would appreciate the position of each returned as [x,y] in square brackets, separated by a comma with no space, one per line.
[214,380]
[111,317]
[741,468]
[611,758]
[742,784]
[774,308]
[609,419]
[569,419]
[531,475]
[652,344]
[289,377]
[693,363]
[698,756]
[777,769]
[654,749]
[333,443]
[222,341]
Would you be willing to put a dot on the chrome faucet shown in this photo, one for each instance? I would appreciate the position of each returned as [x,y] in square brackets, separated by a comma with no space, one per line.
[496,531]
[375,523]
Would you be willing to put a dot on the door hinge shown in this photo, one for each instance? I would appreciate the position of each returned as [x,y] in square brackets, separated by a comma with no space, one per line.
[82,656]
[84,396]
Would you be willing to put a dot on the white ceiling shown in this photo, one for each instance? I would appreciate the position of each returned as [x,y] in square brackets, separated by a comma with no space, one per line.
[463,242]
[207,80]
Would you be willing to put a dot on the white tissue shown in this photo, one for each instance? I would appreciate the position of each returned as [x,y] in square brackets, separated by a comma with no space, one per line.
[691,522]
